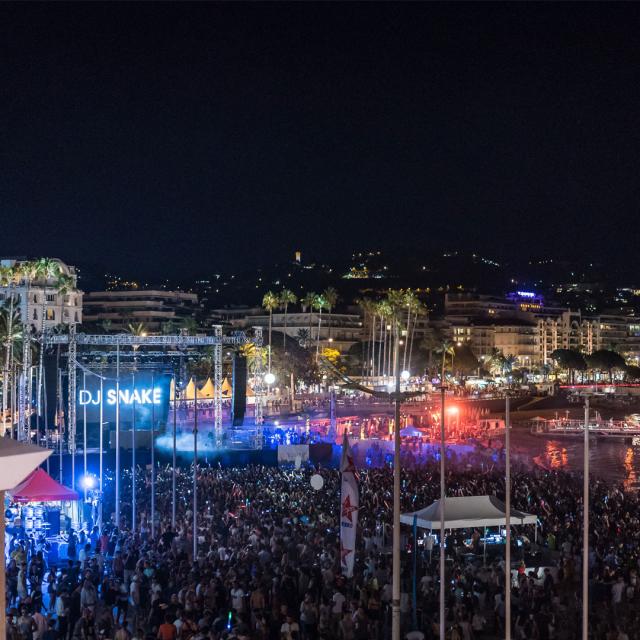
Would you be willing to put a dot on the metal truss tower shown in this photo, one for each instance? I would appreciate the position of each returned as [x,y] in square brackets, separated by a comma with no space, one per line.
[217,386]
[71,420]
[258,385]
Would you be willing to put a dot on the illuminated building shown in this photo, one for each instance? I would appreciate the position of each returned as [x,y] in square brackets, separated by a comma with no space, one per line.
[36,296]
[151,307]
[522,325]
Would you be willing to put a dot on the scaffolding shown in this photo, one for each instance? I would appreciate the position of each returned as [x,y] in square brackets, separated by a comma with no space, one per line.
[180,343]
[258,384]
[217,386]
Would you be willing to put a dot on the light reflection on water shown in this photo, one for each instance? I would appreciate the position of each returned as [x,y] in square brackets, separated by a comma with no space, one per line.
[616,461]
[556,455]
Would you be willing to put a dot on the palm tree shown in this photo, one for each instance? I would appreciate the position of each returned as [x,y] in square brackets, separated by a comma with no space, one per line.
[8,278]
[368,311]
[167,328]
[508,363]
[137,329]
[28,271]
[189,326]
[331,298]
[46,269]
[319,303]
[287,297]
[11,340]
[446,348]
[395,303]
[411,302]
[418,310]
[495,361]
[383,311]
[269,303]
[307,303]
[106,325]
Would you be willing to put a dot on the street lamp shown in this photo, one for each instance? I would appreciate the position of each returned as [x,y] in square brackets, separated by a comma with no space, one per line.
[405,375]
[269,378]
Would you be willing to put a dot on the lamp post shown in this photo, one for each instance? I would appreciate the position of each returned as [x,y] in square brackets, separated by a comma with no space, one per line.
[153,463]
[507,507]
[133,457]
[443,490]
[84,433]
[395,597]
[585,527]
[173,467]
[195,471]
[396,396]
[118,435]
[101,448]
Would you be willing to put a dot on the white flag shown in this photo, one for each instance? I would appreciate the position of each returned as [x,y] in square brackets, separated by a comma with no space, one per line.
[349,505]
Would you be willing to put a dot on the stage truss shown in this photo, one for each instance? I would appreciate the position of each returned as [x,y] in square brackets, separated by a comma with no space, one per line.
[181,344]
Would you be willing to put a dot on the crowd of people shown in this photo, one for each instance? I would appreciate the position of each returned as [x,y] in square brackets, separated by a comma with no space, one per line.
[267,562]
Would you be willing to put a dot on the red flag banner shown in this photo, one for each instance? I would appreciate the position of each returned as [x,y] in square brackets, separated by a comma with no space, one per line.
[349,505]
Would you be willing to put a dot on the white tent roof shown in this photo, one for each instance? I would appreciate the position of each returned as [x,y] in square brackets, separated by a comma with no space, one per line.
[411,432]
[18,460]
[467,512]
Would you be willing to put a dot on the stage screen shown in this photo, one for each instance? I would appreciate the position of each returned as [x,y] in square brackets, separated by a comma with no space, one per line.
[144,395]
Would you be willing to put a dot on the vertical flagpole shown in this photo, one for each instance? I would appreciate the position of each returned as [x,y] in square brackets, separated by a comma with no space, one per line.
[84,437]
[195,470]
[59,419]
[585,527]
[173,468]
[507,503]
[101,446]
[443,585]
[118,434]
[395,597]
[46,417]
[153,462]
[133,457]
[3,596]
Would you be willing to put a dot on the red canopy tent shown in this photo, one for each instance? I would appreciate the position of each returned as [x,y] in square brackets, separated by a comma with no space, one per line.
[41,487]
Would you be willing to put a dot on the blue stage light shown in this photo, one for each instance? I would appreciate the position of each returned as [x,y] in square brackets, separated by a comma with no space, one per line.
[88,482]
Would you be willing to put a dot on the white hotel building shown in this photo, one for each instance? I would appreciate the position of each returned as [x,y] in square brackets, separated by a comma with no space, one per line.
[37,297]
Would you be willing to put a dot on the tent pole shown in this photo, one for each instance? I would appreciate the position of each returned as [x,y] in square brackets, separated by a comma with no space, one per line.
[484,548]
[442,514]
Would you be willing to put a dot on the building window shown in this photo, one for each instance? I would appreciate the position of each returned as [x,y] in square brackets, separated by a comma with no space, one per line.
[51,297]
[51,314]
[35,314]
[35,298]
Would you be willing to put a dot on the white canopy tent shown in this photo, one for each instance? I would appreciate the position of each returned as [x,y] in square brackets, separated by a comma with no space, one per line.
[467,512]
[17,461]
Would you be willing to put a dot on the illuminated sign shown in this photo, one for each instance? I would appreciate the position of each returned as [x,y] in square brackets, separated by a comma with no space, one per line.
[143,398]
[127,396]
[526,294]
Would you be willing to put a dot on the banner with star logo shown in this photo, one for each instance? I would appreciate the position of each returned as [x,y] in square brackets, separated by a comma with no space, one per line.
[349,505]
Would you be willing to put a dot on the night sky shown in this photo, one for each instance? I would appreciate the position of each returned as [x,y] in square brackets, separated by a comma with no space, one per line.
[174,139]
